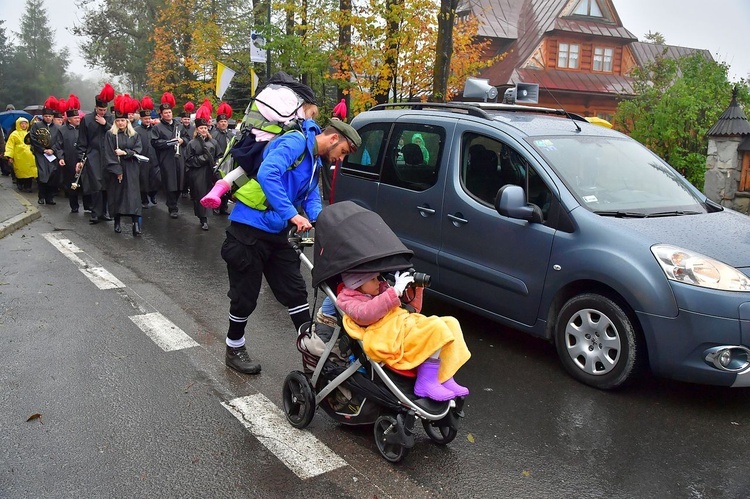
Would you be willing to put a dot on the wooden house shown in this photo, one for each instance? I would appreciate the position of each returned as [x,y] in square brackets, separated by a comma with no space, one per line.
[577,51]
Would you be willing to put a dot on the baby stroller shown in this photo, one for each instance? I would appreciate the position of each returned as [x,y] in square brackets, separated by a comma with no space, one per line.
[337,375]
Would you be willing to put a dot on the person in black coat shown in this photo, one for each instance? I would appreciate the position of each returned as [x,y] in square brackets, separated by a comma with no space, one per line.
[68,138]
[44,146]
[147,178]
[91,133]
[166,139]
[122,168]
[222,136]
[200,158]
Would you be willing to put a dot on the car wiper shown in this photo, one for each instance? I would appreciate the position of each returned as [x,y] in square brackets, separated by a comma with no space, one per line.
[673,213]
[622,214]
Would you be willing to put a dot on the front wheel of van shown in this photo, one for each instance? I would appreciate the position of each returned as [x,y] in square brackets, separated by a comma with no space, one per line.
[597,342]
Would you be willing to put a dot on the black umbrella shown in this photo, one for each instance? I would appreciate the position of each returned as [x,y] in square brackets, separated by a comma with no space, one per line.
[34,109]
[8,120]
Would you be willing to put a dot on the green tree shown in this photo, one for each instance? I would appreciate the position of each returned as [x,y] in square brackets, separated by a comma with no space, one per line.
[677,101]
[6,73]
[38,71]
[116,38]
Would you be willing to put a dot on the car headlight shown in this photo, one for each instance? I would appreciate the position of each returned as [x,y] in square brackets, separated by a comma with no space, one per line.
[689,267]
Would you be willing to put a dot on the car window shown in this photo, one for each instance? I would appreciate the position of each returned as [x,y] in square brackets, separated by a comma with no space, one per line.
[488,164]
[413,156]
[367,159]
[613,174]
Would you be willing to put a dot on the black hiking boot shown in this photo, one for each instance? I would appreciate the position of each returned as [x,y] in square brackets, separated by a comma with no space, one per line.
[239,360]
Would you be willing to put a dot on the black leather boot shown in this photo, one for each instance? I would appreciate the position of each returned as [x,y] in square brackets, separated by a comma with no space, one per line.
[118,227]
[239,360]
[137,226]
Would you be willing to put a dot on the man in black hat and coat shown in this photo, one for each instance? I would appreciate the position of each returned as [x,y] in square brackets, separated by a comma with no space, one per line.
[166,140]
[144,130]
[90,148]
[44,145]
[221,135]
[68,140]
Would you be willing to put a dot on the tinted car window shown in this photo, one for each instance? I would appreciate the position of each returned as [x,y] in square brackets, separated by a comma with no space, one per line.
[366,161]
[413,157]
[488,164]
[612,175]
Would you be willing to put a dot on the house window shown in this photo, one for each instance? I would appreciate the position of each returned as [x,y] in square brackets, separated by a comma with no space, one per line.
[567,55]
[603,59]
[588,8]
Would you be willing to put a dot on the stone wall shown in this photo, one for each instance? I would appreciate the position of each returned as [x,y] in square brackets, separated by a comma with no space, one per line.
[723,169]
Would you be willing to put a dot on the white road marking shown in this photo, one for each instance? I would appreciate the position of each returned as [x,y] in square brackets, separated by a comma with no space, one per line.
[163,332]
[98,275]
[102,278]
[299,450]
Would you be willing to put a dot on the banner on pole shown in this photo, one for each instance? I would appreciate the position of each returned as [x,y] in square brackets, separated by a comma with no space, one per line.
[257,47]
[224,77]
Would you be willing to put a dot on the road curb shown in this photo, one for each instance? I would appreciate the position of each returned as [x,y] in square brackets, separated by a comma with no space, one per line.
[30,214]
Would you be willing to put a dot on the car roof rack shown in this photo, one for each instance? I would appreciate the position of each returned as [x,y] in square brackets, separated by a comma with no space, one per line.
[464,106]
[478,109]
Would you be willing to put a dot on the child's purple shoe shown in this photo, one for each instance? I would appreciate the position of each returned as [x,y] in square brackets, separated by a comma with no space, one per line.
[458,390]
[427,384]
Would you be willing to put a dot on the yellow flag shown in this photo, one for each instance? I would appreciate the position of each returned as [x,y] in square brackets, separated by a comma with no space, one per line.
[253,82]
[224,76]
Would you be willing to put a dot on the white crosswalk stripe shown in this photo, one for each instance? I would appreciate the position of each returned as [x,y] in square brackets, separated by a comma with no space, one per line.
[299,450]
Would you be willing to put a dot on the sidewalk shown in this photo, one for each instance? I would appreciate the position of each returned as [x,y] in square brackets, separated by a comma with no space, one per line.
[15,210]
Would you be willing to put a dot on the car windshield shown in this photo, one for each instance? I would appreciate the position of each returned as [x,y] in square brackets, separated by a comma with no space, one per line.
[617,176]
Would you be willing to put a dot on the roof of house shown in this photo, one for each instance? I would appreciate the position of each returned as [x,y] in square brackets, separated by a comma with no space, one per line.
[732,122]
[518,27]
[645,53]
[574,81]
[524,23]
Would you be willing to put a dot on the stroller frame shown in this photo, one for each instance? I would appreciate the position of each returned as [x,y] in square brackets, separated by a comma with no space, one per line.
[394,428]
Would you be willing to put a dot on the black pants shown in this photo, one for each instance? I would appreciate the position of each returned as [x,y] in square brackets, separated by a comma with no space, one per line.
[25,183]
[98,205]
[172,198]
[48,189]
[252,255]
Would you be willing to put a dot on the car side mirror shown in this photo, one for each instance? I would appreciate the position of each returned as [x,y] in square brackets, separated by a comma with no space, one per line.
[511,202]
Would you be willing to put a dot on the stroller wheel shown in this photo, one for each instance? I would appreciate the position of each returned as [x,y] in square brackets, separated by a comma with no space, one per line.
[299,400]
[439,433]
[387,439]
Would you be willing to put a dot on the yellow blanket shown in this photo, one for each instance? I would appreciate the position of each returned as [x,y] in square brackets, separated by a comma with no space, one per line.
[404,340]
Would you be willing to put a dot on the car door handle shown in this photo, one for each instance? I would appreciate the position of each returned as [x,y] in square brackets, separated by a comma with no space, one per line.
[457,219]
[425,210]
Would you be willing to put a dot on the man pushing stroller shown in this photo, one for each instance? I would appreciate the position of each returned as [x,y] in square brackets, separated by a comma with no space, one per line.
[256,243]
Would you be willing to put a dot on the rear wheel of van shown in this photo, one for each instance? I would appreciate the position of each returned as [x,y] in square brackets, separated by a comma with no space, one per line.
[596,341]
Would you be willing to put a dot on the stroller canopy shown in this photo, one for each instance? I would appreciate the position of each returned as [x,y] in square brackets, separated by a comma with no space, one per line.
[349,238]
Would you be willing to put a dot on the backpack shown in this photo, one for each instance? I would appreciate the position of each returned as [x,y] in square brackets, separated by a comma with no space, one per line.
[247,153]
[246,188]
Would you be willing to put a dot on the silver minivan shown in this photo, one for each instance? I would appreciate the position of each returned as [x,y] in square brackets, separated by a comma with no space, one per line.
[563,229]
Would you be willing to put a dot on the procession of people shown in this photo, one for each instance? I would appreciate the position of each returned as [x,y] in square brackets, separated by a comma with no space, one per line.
[115,160]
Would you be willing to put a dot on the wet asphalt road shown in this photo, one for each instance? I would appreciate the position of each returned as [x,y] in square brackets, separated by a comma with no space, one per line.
[122,418]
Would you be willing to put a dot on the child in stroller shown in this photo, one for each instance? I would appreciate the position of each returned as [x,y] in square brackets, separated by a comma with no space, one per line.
[433,345]
[338,375]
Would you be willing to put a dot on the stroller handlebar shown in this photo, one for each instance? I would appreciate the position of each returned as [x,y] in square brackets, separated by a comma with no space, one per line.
[299,240]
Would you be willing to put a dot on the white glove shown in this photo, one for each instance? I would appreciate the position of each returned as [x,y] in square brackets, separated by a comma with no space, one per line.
[402,280]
